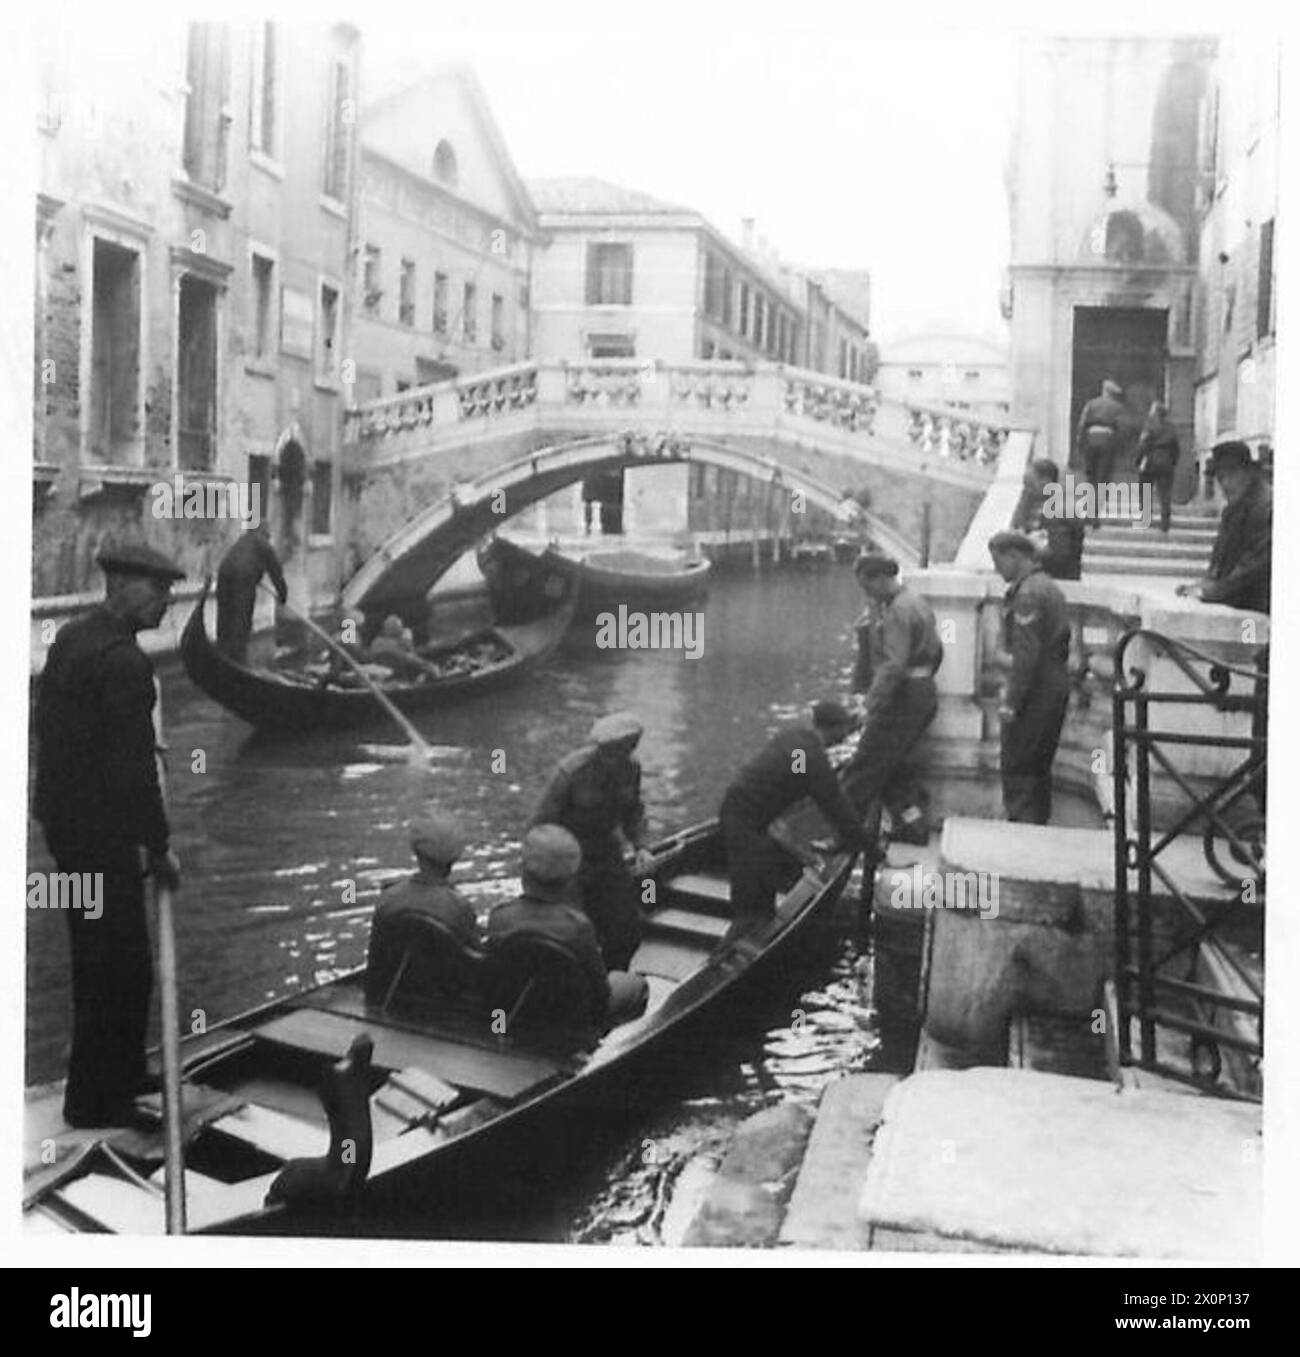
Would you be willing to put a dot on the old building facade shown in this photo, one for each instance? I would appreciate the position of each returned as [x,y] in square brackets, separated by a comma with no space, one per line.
[194,229]
[965,371]
[447,234]
[1104,237]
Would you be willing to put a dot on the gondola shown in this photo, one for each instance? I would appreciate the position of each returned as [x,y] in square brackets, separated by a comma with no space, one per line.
[297,700]
[439,1092]
[607,577]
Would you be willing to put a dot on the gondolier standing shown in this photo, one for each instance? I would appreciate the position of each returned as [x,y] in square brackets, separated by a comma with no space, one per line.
[99,802]
[595,794]
[899,652]
[1035,655]
[241,568]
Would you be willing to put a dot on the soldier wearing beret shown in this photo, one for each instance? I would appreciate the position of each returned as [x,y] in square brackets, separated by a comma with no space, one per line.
[437,841]
[1241,564]
[550,861]
[899,652]
[1036,649]
[595,794]
[99,801]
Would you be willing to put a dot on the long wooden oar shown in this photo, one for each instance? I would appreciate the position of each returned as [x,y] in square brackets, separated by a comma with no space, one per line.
[169,1014]
[421,751]
[173,1151]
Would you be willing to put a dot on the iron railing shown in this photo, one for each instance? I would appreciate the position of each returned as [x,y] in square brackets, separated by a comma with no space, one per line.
[1179,967]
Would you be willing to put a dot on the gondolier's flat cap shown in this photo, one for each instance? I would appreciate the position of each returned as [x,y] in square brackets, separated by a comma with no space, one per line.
[1012,541]
[1232,452]
[873,563]
[830,714]
[615,728]
[551,855]
[137,559]
[438,837]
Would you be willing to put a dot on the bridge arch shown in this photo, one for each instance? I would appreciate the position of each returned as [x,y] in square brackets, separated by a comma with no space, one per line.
[428,544]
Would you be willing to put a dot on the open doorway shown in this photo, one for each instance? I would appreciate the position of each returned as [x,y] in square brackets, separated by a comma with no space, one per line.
[293,481]
[1129,345]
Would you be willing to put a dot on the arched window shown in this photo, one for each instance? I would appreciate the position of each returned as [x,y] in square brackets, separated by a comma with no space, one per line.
[445,170]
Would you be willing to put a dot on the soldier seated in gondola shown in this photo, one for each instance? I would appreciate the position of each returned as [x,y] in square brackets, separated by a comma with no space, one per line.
[547,910]
[425,934]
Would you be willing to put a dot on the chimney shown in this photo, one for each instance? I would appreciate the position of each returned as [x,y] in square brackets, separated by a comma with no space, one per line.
[747,232]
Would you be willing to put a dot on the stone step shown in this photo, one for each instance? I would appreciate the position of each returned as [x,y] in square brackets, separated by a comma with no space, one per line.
[1157,546]
[1144,566]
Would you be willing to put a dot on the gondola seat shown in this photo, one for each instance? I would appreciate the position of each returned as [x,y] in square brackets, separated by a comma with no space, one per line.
[542,989]
[416,959]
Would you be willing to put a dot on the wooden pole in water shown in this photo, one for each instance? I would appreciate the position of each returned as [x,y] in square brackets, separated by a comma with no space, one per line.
[418,743]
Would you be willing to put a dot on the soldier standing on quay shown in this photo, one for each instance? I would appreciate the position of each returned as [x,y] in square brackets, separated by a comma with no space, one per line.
[1036,641]
[595,794]
[899,652]
[99,801]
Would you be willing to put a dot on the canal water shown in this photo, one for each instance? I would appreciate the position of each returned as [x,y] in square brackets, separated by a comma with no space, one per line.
[285,844]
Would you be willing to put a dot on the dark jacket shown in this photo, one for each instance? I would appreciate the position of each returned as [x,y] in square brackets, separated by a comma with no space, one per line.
[1241,565]
[1062,558]
[593,798]
[893,638]
[97,774]
[1158,443]
[769,784]
[251,557]
[1036,634]
[434,899]
[1103,412]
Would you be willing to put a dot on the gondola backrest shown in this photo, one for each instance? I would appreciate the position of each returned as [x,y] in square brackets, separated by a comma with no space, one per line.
[416,958]
[541,987]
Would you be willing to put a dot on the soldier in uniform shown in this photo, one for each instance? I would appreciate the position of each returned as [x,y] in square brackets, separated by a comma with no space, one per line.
[550,861]
[791,766]
[1059,532]
[595,794]
[1101,423]
[1036,641]
[436,841]
[99,801]
[242,567]
[899,652]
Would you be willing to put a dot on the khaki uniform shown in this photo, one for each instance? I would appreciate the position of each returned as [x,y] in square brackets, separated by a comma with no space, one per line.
[1036,634]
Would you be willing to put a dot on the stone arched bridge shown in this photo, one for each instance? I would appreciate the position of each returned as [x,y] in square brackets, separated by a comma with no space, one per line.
[437,467]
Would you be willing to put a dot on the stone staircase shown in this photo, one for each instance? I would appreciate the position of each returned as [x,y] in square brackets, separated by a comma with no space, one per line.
[1121,547]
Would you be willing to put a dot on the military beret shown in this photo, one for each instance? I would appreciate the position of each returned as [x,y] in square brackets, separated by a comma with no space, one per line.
[438,837]
[550,854]
[828,714]
[138,559]
[615,728]
[1012,541]
[1232,452]
[873,563]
